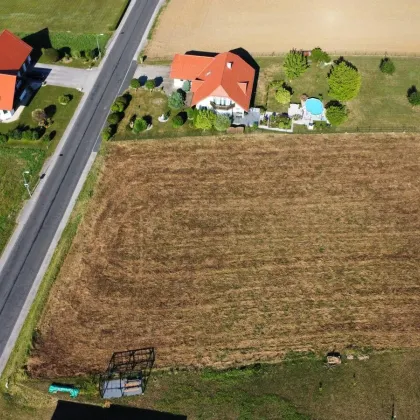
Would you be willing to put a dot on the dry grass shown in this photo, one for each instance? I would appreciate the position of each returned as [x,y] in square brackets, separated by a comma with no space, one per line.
[273,26]
[235,250]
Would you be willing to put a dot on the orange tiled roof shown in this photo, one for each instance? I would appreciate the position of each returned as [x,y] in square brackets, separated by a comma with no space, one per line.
[13,52]
[225,75]
[7,91]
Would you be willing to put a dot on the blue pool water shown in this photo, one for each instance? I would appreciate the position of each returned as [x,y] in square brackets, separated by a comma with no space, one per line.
[314,106]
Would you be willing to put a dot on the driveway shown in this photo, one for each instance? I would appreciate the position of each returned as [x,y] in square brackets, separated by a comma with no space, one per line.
[68,76]
[158,73]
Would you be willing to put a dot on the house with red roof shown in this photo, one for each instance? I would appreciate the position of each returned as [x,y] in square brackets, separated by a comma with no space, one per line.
[223,83]
[15,61]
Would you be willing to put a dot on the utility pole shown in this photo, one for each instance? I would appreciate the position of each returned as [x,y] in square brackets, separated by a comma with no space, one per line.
[26,183]
[97,44]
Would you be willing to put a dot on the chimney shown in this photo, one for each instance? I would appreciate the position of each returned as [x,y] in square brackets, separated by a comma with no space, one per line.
[229,64]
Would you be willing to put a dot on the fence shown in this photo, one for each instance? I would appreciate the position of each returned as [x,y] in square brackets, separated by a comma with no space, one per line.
[338,53]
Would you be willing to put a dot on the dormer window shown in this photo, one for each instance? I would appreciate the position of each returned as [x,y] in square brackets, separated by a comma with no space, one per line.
[229,64]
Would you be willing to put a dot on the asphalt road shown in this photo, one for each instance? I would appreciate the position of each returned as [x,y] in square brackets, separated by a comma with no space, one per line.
[21,268]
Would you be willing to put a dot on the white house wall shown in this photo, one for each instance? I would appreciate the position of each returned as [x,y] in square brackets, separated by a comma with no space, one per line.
[205,103]
[5,115]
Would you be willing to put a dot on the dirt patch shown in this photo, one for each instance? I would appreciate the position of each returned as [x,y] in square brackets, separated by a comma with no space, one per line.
[235,250]
[267,27]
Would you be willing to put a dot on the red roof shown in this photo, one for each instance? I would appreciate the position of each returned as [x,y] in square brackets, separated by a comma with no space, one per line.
[225,75]
[13,51]
[7,91]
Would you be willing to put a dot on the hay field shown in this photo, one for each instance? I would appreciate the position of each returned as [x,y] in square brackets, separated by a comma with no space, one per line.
[228,251]
[276,26]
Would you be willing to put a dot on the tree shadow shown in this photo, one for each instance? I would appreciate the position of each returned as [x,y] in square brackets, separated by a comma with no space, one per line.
[183,93]
[63,51]
[334,103]
[52,135]
[183,115]
[37,41]
[411,90]
[50,110]
[158,81]
[247,57]
[348,63]
[142,80]
[148,119]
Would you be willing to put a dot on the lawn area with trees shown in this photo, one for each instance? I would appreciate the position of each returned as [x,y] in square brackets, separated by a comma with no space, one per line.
[28,145]
[381,103]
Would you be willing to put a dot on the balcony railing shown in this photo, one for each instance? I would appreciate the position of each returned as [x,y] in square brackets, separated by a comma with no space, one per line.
[222,107]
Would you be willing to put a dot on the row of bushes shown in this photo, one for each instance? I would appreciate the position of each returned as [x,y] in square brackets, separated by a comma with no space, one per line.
[23,132]
[51,55]
[117,114]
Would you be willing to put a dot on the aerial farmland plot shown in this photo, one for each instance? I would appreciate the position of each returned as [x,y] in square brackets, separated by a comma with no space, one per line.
[271,26]
[230,251]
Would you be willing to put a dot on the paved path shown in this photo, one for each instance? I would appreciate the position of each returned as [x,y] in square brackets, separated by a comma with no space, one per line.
[22,267]
[68,76]
[159,73]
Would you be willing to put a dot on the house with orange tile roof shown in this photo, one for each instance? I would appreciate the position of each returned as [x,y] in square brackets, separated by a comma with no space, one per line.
[15,61]
[223,83]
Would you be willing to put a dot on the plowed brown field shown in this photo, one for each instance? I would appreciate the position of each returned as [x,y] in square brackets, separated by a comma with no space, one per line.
[236,250]
[275,26]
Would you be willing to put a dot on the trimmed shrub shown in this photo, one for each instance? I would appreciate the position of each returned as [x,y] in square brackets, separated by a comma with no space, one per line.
[15,134]
[295,64]
[221,122]
[135,83]
[344,81]
[39,116]
[139,125]
[176,100]
[91,54]
[120,104]
[107,133]
[3,138]
[319,56]
[204,119]
[191,113]
[35,135]
[76,54]
[51,55]
[283,96]
[177,121]
[387,66]
[150,84]
[114,118]
[414,98]
[27,135]
[64,99]
[336,113]
[186,86]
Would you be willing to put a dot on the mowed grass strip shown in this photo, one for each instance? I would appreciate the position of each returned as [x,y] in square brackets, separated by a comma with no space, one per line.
[77,16]
[13,162]
[229,251]
[381,104]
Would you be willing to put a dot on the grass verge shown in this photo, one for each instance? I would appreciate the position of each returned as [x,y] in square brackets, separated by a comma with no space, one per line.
[24,343]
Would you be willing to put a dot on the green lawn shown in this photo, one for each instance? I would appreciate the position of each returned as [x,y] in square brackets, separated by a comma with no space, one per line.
[13,162]
[77,16]
[46,98]
[297,389]
[65,25]
[17,156]
[382,102]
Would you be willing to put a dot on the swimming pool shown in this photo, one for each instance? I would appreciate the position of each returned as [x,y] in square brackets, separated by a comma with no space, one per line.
[314,106]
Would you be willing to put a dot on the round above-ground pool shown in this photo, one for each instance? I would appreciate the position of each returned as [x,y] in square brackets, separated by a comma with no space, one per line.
[314,106]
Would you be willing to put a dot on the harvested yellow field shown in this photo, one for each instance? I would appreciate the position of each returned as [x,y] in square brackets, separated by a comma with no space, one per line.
[228,251]
[268,26]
